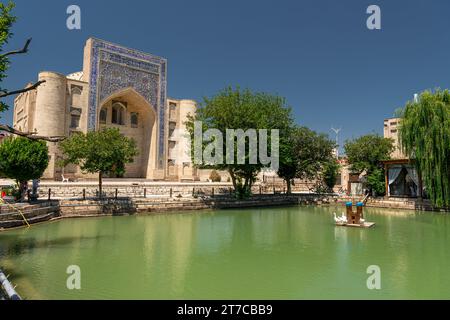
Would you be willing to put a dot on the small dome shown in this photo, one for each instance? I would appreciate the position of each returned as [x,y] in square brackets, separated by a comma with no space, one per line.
[75,76]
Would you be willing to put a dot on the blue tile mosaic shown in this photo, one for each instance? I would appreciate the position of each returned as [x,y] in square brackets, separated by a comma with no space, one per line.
[114,68]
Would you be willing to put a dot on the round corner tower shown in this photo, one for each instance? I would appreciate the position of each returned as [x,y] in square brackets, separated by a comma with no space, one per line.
[50,115]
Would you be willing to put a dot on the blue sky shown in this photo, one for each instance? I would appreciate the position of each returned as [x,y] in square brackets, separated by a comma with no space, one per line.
[318,54]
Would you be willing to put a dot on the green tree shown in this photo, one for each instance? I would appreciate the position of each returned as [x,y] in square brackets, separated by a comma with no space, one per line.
[303,154]
[23,159]
[330,173]
[425,136]
[214,176]
[102,152]
[375,179]
[366,153]
[241,109]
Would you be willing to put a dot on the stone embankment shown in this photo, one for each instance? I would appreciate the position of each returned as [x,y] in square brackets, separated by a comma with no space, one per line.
[71,208]
[397,203]
[18,215]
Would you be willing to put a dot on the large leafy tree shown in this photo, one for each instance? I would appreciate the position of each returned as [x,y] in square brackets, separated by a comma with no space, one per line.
[234,108]
[425,137]
[23,159]
[304,154]
[101,152]
[365,154]
[330,173]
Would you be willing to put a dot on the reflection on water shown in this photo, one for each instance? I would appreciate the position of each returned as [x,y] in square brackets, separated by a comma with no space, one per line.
[273,253]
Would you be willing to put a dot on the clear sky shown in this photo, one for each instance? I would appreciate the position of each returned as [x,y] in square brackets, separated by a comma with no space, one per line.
[318,54]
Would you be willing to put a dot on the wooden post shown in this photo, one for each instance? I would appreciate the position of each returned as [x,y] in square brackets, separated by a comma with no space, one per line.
[171,192]
[212,192]
[349,207]
[145,192]
[84,194]
[117,191]
[359,213]
[49,194]
[193,191]
[260,190]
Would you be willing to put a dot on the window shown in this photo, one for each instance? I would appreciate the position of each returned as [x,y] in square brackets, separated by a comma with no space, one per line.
[134,119]
[172,127]
[76,95]
[118,113]
[74,121]
[103,115]
[75,115]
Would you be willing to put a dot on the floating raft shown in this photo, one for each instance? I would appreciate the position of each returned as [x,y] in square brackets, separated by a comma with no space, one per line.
[362,225]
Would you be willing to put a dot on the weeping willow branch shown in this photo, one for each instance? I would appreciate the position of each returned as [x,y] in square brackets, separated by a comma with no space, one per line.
[425,137]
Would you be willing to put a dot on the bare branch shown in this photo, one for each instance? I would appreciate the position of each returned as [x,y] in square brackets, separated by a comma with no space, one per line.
[23,50]
[5,93]
[31,136]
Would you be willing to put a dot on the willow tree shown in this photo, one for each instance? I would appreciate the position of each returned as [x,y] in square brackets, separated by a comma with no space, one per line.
[425,137]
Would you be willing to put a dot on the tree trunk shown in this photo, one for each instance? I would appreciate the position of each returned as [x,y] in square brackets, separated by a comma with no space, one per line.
[100,191]
[233,178]
[23,187]
[249,183]
[289,186]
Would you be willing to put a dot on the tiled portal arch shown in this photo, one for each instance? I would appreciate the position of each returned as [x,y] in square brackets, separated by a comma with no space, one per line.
[113,68]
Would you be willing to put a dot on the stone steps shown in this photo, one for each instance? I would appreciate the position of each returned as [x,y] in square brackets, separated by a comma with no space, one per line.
[20,223]
[29,214]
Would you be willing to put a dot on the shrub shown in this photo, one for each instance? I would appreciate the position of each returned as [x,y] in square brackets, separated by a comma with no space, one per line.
[215,176]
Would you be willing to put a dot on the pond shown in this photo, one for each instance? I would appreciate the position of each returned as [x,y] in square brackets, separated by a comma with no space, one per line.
[265,253]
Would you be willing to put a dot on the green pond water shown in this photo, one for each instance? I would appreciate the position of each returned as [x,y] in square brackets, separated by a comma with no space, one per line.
[270,253]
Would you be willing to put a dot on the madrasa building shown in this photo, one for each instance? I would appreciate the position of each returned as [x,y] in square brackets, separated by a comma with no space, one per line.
[117,88]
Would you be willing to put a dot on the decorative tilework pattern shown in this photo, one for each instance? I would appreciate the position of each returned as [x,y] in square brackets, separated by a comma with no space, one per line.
[114,68]
[115,77]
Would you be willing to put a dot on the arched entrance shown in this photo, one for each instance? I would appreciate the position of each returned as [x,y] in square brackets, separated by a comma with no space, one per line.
[128,111]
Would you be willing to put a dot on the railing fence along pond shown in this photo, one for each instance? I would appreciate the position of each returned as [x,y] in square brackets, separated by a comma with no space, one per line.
[145,192]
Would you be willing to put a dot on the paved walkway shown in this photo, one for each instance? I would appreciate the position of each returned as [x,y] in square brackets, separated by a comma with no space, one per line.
[6,182]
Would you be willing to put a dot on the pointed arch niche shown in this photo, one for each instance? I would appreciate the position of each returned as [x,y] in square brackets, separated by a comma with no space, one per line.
[121,110]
